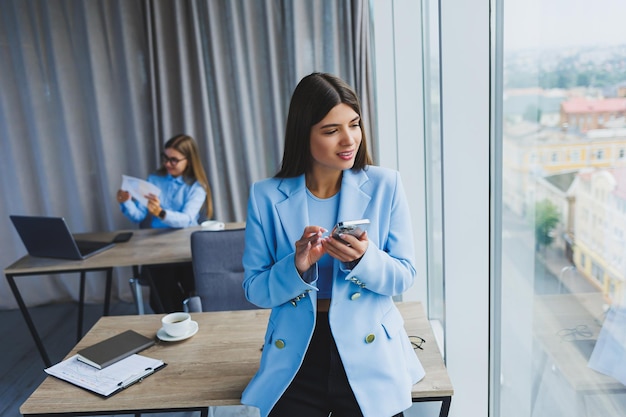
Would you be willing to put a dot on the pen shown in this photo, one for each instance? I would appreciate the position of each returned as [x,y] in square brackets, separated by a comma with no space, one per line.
[134,378]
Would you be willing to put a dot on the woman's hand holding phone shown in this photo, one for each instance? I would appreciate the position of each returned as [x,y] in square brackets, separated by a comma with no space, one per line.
[348,241]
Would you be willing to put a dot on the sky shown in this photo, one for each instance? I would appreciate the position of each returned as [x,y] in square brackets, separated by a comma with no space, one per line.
[562,23]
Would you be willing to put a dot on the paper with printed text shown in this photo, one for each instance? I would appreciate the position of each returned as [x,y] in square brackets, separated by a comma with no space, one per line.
[139,188]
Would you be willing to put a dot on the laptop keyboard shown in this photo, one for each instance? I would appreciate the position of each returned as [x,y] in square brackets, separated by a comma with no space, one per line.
[85,247]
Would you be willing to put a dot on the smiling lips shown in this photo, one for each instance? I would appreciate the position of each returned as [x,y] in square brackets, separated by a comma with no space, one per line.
[346,155]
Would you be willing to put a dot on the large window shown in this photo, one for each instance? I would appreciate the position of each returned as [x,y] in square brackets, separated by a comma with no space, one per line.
[533,229]
[561,126]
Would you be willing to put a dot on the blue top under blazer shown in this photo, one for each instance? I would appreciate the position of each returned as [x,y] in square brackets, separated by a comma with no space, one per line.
[368,329]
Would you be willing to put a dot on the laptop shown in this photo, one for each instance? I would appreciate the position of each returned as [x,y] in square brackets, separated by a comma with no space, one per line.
[49,237]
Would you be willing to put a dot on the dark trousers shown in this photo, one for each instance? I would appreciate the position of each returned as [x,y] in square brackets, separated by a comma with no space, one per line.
[321,386]
[173,282]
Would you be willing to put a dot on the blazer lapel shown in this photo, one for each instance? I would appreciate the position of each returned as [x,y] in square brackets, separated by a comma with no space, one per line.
[293,210]
[353,200]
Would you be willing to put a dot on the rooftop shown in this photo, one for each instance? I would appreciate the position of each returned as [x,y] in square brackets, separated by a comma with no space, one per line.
[586,105]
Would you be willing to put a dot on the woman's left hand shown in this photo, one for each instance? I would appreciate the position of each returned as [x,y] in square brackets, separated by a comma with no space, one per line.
[154,204]
[353,250]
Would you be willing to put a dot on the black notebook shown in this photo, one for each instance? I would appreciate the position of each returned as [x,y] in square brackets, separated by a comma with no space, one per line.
[113,349]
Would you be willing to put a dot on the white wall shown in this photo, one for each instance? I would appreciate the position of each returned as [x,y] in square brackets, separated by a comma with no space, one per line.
[465,98]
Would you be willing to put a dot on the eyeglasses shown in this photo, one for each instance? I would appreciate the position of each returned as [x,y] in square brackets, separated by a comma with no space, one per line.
[574,333]
[417,342]
[173,161]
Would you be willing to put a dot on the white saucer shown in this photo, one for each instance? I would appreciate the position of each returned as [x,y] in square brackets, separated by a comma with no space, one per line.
[167,338]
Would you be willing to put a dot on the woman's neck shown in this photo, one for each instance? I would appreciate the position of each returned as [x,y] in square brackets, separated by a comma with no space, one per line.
[323,186]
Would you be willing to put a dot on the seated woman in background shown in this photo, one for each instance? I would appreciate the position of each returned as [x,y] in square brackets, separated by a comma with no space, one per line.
[185,194]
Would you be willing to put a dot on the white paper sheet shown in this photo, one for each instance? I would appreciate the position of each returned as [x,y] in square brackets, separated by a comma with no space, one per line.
[139,188]
[108,380]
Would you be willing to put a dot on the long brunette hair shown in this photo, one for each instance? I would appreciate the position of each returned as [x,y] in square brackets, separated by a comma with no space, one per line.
[316,95]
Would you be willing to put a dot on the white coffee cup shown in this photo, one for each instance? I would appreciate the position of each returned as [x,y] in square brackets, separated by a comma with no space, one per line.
[212,225]
[176,324]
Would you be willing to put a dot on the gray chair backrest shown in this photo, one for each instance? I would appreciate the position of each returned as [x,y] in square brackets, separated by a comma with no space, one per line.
[218,269]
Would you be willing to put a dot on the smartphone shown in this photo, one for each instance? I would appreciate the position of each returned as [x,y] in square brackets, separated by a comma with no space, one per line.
[122,237]
[355,228]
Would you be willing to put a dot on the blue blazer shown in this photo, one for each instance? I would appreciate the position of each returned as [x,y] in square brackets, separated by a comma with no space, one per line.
[368,329]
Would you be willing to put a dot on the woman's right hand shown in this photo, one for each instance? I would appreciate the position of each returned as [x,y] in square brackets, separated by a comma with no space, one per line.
[309,248]
[122,196]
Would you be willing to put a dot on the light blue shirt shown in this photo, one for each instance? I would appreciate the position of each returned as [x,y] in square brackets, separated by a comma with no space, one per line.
[323,212]
[182,203]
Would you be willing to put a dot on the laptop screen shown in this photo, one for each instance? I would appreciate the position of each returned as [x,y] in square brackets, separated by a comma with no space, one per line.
[50,237]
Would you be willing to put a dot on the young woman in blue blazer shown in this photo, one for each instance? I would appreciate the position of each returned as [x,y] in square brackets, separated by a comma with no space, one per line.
[335,342]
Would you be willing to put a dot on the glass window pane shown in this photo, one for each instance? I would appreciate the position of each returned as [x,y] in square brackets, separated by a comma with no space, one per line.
[433,166]
[563,266]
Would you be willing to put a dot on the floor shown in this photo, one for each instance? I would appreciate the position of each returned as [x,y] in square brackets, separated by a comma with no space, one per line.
[21,367]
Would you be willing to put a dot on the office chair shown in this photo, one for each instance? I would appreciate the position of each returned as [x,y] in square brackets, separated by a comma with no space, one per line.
[218,271]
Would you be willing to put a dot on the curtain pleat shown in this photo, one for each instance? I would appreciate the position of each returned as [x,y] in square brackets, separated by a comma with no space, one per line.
[92,89]
[72,112]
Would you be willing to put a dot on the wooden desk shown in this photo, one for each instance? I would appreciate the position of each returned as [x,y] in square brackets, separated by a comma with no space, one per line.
[210,369]
[146,247]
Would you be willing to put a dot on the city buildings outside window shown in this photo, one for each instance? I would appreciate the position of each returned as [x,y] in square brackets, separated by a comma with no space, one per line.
[563,205]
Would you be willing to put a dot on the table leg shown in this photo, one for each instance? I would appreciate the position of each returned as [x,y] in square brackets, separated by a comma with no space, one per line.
[29,320]
[107,292]
[153,290]
[81,306]
[445,407]
[445,403]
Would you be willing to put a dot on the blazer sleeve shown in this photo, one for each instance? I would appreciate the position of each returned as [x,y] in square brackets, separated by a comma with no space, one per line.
[269,282]
[388,265]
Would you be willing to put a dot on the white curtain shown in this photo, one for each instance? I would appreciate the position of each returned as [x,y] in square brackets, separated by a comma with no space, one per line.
[91,89]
